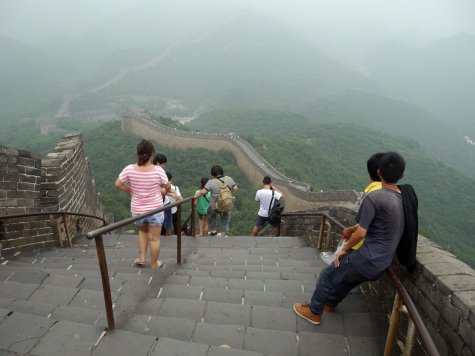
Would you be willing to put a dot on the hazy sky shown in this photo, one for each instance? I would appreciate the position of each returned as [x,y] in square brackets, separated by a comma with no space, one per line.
[33,20]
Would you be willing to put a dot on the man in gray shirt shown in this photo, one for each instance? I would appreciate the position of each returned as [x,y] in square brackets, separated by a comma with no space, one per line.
[381,222]
[214,186]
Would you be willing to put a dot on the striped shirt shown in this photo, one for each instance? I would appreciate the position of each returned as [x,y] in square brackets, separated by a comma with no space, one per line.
[145,187]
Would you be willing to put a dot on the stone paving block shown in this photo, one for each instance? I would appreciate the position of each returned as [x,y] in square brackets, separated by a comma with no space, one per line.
[120,342]
[364,324]
[332,323]
[244,241]
[26,307]
[308,269]
[149,306]
[4,302]
[279,269]
[63,281]
[270,299]
[233,296]
[273,318]
[137,323]
[353,303]
[135,289]
[53,294]
[193,273]
[309,286]
[224,243]
[96,284]
[179,280]
[224,351]
[183,292]
[5,273]
[175,328]
[291,298]
[329,345]
[36,277]
[171,347]
[177,308]
[250,268]
[211,268]
[209,282]
[201,261]
[76,314]
[294,263]
[212,334]
[20,332]
[263,263]
[368,345]
[246,284]
[272,342]
[228,274]
[283,285]
[308,277]
[68,338]
[263,275]
[14,290]
[226,313]
[89,299]
[263,251]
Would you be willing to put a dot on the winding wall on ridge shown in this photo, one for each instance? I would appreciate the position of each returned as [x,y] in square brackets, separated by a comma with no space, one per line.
[298,195]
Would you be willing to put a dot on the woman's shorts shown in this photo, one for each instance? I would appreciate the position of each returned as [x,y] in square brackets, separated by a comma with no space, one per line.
[153,220]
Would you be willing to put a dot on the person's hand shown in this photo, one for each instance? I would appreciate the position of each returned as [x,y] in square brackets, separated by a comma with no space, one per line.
[337,257]
[347,233]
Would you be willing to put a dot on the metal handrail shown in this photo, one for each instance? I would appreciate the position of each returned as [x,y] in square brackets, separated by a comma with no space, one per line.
[401,294]
[97,235]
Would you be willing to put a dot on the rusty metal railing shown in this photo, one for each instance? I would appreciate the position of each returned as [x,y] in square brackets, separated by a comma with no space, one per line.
[403,304]
[97,235]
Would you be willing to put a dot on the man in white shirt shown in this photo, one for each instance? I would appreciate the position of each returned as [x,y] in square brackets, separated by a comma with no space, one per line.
[266,196]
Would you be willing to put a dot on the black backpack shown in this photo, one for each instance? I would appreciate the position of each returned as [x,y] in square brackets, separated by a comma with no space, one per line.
[275,211]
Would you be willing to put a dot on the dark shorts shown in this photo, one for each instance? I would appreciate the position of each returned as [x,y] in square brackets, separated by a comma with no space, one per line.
[261,221]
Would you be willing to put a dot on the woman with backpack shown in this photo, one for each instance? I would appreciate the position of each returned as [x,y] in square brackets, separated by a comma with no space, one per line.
[201,205]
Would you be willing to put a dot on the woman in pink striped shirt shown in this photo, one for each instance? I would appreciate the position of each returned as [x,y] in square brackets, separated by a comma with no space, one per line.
[142,181]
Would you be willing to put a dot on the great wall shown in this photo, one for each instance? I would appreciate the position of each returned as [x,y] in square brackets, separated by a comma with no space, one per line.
[442,286]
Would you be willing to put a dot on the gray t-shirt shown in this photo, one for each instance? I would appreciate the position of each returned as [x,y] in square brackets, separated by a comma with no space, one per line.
[381,214]
[213,187]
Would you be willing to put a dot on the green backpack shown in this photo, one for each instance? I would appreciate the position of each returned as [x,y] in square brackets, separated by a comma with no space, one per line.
[225,199]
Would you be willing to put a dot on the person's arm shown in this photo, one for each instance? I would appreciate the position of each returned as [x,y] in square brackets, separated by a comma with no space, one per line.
[122,186]
[166,187]
[355,238]
[175,194]
[200,193]
[234,189]
[348,231]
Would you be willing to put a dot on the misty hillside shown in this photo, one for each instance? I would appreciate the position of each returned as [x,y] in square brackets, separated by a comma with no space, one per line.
[438,77]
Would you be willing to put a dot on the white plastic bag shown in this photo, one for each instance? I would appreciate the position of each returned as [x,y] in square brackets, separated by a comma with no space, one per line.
[329,257]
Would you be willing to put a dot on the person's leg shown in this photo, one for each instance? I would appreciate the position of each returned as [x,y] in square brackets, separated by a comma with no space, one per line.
[334,284]
[205,225]
[212,220]
[154,237]
[143,242]
[260,222]
[200,224]
[225,217]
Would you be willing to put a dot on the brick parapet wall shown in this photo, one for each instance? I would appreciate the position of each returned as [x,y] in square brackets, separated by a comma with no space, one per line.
[442,286]
[298,195]
[61,181]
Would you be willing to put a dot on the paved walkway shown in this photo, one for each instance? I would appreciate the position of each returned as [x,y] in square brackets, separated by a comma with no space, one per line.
[230,297]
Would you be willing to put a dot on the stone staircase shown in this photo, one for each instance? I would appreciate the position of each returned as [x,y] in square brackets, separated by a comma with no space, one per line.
[230,296]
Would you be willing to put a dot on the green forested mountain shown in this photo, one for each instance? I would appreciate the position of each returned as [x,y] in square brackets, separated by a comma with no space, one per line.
[333,156]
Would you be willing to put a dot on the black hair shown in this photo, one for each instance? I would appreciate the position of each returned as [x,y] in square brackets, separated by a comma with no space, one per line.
[203,182]
[266,180]
[160,158]
[145,151]
[169,175]
[372,164]
[217,171]
[391,167]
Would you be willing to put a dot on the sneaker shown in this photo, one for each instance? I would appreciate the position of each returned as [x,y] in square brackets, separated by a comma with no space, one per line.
[303,311]
[212,233]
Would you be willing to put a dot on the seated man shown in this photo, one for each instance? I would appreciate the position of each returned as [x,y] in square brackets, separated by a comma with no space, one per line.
[381,220]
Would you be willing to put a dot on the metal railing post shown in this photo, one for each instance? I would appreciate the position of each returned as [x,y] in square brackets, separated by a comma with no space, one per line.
[320,236]
[393,324]
[192,217]
[101,255]
[178,234]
